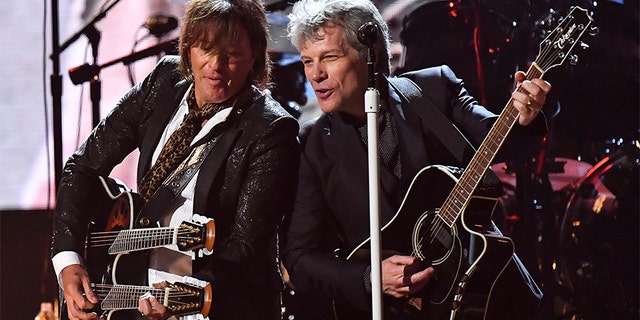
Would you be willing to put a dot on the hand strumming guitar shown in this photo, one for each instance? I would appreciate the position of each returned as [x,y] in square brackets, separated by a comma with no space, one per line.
[404,275]
[78,293]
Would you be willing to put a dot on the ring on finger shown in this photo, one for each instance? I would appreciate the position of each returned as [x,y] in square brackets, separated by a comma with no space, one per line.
[529,103]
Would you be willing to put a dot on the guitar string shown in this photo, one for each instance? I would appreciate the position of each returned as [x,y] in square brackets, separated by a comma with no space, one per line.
[123,293]
[142,236]
[99,239]
[102,290]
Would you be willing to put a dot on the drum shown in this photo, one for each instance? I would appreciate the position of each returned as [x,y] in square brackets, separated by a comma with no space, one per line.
[531,206]
[564,172]
[598,244]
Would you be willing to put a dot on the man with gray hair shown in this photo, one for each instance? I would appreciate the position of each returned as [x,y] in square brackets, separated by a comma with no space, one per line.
[331,217]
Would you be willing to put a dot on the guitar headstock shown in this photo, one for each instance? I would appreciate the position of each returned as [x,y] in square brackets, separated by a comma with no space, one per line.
[559,44]
[193,235]
[189,299]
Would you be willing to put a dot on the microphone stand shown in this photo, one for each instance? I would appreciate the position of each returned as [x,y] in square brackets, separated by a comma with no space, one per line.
[87,72]
[56,92]
[368,34]
[95,86]
[56,79]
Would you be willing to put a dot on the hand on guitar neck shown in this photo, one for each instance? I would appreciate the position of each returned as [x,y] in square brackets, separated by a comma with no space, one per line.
[160,302]
[152,308]
[529,98]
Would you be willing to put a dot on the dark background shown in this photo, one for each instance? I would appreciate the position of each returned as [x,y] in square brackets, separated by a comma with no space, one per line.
[592,104]
[26,273]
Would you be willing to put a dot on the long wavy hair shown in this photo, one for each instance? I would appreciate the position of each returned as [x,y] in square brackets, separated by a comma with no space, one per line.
[213,25]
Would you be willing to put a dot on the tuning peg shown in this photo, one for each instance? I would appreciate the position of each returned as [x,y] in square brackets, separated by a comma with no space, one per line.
[573,59]
[593,30]
[583,45]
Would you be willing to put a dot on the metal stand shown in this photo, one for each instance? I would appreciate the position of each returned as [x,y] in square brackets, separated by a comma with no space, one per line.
[56,79]
[371,97]
[367,34]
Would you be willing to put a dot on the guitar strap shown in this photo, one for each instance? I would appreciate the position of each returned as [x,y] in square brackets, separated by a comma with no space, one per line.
[153,210]
[156,207]
[433,119]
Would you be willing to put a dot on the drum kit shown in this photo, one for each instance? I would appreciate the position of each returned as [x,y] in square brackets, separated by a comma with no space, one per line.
[576,229]
[573,211]
[597,252]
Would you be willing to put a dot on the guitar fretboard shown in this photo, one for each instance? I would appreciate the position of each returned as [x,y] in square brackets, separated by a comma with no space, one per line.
[472,175]
[126,297]
[140,239]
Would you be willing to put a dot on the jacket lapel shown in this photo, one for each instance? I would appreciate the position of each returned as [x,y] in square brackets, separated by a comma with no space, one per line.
[166,105]
[412,152]
[226,135]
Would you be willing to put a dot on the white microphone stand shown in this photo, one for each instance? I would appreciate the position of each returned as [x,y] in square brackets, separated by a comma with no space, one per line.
[368,34]
[371,98]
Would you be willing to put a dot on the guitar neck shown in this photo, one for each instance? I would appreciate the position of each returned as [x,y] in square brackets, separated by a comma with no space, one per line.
[126,297]
[472,175]
[187,236]
[142,239]
[554,50]
[180,298]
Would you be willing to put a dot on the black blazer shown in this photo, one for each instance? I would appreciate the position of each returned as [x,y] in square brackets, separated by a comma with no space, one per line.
[331,207]
[246,184]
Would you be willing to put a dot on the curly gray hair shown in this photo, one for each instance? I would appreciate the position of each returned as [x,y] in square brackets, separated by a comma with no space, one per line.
[307,16]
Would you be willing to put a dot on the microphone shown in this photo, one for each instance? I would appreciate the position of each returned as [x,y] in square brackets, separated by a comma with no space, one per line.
[368,34]
[160,24]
